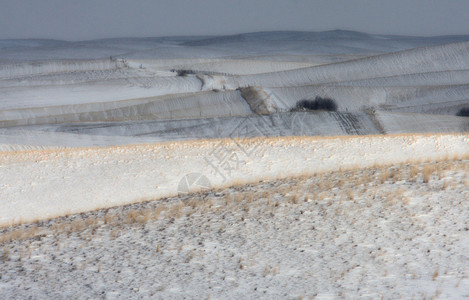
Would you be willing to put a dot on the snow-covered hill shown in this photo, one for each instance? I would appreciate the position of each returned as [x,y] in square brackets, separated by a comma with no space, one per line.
[120,139]
[56,94]
[250,44]
[64,181]
[391,232]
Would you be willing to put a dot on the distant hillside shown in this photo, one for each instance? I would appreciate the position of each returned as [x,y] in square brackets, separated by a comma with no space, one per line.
[257,43]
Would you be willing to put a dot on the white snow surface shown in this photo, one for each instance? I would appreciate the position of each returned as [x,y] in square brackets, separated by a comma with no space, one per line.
[62,91]
[420,60]
[334,235]
[100,124]
[60,182]
[56,94]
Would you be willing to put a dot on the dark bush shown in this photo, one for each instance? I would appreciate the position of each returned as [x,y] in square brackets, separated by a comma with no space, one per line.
[183,73]
[463,112]
[318,103]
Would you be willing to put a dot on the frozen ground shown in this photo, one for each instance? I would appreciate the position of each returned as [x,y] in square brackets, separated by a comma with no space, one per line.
[63,181]
[93,125]
[398,232]
[133,94]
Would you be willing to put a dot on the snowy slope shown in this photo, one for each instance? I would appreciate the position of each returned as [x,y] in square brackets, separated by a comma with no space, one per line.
[383,233]
[250,44]
[96,90]
[87,134]
[418,79]
[68,181]
[444,99]
[107,91]
[100,124]
[401,122]
[450,57]
[236,86]
[182,106]
[15,70]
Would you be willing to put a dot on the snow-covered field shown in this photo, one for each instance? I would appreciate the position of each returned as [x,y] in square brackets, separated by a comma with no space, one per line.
[64,181]
[93,125]
[49,89]
[398,232]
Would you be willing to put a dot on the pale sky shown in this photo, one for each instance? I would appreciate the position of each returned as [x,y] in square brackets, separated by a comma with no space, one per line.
[93,19]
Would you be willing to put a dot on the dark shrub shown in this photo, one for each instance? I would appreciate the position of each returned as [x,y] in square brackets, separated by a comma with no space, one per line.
[463,112]
[182,73]
[318,103]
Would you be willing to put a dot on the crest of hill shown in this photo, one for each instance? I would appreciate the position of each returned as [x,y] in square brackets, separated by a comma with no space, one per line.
[279,36]
[448,57]
[256,43]
[324,37]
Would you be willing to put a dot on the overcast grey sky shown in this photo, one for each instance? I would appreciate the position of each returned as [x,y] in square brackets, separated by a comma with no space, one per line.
[92,19]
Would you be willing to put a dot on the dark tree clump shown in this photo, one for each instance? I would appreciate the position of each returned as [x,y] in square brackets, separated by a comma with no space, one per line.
[318,103]
[463,112]
[182,73]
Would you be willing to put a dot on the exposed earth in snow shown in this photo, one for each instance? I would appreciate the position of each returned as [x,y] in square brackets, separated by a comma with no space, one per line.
[90,125]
